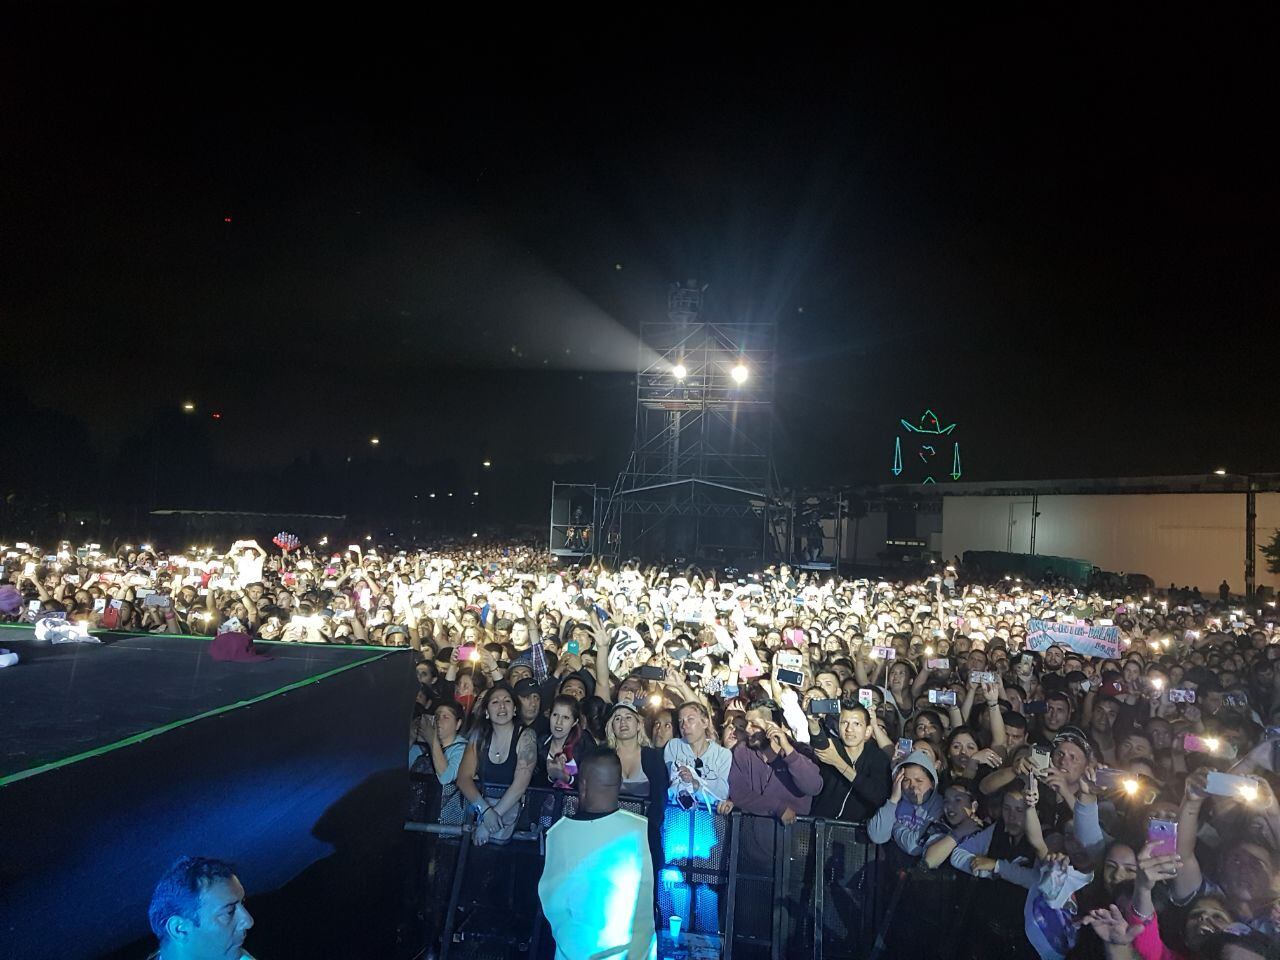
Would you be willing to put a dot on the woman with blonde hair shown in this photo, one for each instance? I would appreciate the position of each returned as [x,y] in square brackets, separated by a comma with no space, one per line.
[644,774]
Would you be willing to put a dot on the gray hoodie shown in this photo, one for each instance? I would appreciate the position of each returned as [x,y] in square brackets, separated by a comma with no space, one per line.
[905,822]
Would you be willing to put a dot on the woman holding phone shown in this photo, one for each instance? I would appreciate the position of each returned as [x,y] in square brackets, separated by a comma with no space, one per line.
[697,766]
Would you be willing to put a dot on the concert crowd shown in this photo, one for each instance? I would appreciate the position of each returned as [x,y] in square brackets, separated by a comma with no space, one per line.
[1102,764]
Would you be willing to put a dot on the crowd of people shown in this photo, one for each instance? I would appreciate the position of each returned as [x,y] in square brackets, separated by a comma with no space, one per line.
[1119,806]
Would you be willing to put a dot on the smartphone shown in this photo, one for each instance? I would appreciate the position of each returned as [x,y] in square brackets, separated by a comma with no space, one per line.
[99,604]
[867,697]
[790,659]
[694,666]
[983,676]
[1109,778]
[938,663]
[1039,760]
[1193,743]
[465,653]
[1176,695]
[685,801]
[1237,700]
[651,673]
[820,708]
[903,749]
[1231,785]
[946,698]
[884,653]
[29,569]
[1163,836]
[792,678]
[573,647]
[749,671]
[1034,708]
[156,600]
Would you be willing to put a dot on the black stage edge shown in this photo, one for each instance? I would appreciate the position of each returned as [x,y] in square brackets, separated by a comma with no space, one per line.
[116,758]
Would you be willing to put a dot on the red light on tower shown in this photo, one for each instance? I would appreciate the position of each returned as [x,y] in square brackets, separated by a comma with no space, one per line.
[216,416]
[226,219]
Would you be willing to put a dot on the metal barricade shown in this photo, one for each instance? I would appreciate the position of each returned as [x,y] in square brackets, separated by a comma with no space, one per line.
[760,888]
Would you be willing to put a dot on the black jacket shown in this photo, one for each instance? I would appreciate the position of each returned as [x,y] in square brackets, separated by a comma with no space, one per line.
[859,800]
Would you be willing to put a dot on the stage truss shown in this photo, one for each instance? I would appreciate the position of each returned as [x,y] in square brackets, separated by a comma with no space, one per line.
[700,481]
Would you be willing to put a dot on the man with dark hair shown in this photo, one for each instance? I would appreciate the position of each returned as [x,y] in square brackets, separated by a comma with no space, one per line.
[855,771]
[597,879]
[197,912]
[768,775]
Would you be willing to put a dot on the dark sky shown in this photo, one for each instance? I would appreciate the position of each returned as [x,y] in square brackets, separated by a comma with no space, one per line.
[1059,233]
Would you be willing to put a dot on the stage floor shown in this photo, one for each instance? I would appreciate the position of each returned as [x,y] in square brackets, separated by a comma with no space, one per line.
[66,702]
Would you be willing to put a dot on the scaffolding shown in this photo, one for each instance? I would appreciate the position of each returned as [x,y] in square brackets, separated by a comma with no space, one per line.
[700,481]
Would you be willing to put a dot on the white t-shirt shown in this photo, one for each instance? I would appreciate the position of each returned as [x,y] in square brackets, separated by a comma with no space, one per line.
[248,569]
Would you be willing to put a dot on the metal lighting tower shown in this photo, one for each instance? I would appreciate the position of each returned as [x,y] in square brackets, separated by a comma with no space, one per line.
[700,480]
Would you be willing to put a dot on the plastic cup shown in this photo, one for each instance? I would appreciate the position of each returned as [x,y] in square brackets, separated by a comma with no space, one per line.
[675,927]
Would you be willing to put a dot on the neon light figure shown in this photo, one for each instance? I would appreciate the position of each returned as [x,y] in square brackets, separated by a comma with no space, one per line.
[929,427]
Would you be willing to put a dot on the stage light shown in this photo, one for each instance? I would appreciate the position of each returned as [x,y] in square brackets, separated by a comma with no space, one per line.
[431,495]
[475,493]
[739,374]
[679,372]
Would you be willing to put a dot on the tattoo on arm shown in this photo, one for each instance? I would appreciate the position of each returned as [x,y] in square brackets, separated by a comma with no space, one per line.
[525,752]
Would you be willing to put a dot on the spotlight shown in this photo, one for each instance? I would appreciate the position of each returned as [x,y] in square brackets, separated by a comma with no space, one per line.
[739,374]
[679,372]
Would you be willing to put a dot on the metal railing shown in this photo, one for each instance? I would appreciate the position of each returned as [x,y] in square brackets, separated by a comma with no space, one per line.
[752,885]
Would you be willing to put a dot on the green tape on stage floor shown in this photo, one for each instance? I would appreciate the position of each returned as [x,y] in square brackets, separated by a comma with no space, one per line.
[148,734]
[129,635]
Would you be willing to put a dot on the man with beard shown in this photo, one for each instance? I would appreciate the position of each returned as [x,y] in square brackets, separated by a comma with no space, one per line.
[768,775]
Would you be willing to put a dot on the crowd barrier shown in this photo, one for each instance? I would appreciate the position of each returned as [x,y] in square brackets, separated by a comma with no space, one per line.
[745,887]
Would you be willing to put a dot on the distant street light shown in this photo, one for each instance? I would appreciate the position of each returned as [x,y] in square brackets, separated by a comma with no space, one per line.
[375,441]
[1220,472]
[487,464]
[189,407]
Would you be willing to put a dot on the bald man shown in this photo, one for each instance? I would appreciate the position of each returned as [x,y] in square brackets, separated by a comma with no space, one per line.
[597,882]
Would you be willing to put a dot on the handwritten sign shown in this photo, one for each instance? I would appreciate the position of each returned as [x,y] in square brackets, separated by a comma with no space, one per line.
[1080,637]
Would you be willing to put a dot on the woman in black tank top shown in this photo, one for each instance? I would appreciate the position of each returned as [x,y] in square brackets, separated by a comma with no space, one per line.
[498,765]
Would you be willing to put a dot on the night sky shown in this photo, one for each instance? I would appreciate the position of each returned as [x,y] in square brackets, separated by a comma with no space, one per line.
[1061,234]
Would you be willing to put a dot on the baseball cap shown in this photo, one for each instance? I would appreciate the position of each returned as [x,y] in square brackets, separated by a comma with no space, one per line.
[526,687]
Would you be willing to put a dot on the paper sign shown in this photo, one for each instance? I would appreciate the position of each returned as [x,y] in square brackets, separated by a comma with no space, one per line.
[1080,637]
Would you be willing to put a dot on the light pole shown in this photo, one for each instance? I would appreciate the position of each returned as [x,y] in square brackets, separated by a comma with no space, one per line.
[1250,530]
